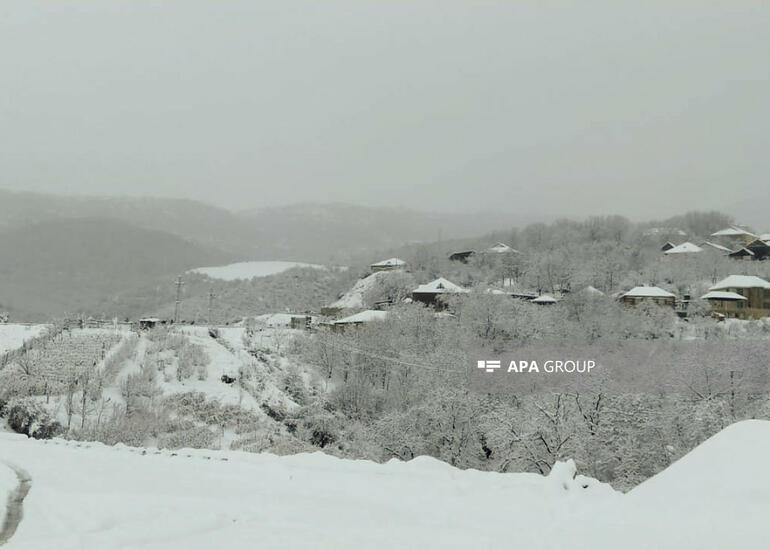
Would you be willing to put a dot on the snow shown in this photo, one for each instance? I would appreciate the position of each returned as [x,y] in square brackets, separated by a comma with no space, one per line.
[648,292]
[354,298]
[765,237]
[544,299]
[13,336]
[496,292]
[716,497]
[501,248]
[363,317]
[722,295]
[719,492]
[716,246]
[390,262]
[439,286]
[249,270]
[592,291]
[741,281]
[684,248]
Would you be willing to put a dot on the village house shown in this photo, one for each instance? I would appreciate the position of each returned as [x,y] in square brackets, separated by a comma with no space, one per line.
[357,320]
[390,264]
[148,323]
[461,256]
[759,248]
[735,236]
[683,249]
[544,300]
[430,293]
[741,254]
[655,294]
[740,297]
[668,246]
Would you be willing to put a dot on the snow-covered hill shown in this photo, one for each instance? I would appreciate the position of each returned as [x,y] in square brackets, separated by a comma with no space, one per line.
[93,496]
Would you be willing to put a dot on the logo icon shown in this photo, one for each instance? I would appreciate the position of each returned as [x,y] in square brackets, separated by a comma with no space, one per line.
[488,366]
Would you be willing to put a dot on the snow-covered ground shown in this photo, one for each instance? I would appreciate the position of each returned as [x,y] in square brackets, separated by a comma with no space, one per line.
[354,298]
[92,496]
[13,336]
[249,270]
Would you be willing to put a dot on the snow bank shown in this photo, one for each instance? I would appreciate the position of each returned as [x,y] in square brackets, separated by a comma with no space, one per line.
[732,464]
[249,270]
[116,497]
[716,497]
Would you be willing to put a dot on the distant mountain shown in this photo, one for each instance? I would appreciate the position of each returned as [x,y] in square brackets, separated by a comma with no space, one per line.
[188,219]
[321,233]
[70,266]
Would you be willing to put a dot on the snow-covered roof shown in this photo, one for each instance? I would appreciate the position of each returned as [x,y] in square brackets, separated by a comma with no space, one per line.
[501,248]
[592,291]
[684,248]
[732,231]
[390,262]
[722,295]
[648,292]
[764,237]
[544,299]
[715,246]
[366,316]
[439,286]
[741,281]
[149,320]
[496,292]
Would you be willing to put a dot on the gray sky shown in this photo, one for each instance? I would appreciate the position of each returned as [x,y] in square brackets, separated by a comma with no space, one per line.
[573,108]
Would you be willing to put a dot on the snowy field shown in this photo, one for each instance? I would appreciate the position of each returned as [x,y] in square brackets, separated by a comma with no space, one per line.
[13,336]
[249,270]
[92,496]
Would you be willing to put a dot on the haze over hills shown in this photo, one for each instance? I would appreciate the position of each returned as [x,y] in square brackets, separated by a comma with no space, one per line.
[70,255]
[305,232]
[67,266]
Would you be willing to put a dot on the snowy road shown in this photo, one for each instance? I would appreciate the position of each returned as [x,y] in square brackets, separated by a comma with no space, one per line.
[14,510]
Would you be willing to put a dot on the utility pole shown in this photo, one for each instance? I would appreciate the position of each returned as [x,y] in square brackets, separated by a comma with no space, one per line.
[211,304]
[179,283]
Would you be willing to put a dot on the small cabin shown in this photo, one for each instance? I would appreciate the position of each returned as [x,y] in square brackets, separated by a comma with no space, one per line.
[430,293]
[148,323]
[741,254]
[390,264]
[641,294]
[359,319]
[462,256]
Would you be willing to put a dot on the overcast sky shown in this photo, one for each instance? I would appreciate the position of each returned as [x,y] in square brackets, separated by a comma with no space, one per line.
[573,108]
